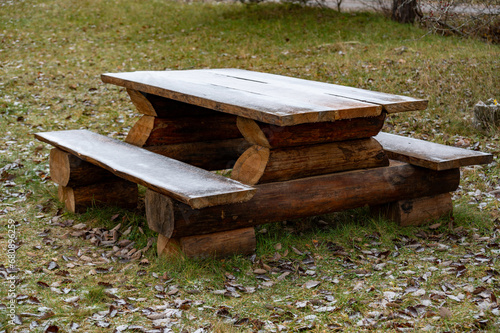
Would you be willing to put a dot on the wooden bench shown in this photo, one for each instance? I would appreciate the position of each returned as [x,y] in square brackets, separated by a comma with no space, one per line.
[432,156]
[193,186]
[297,148]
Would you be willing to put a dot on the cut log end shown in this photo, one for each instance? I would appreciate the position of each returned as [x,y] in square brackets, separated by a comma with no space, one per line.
[141,131]
[251,165]
[141,103]
[159,213]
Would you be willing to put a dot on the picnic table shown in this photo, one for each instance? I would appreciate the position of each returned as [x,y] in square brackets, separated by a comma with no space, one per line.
[297,148]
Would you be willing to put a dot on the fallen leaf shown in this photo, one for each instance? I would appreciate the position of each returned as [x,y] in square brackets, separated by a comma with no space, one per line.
[311,284]
[445,312]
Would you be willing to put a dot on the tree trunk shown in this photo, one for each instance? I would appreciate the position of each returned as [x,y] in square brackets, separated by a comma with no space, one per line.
[404,11]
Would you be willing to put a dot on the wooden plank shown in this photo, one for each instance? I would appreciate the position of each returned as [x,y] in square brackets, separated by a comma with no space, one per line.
[153,131]
[247,98]
[271,136]
[263,165]
[429,154]
[186,183]
[415,211]
[390,103]
[307,197]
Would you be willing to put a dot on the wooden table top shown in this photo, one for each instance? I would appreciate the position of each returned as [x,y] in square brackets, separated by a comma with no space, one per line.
[273,99]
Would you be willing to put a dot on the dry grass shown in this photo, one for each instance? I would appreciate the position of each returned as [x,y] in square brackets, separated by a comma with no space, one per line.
[51,56]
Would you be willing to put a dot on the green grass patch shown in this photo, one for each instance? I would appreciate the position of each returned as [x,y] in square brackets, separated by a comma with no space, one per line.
[51,56]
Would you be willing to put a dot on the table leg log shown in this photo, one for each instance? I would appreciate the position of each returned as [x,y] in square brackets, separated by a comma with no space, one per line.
[212,155]
[70,171]
[157,106]
[271,136]
[415,211]
[263,165]
[219,244]
[304,197]
[119,193]
[153,131]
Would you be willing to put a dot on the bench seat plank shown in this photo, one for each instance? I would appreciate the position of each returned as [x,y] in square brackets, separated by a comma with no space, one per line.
[429,155]
[279,104]
[191,185]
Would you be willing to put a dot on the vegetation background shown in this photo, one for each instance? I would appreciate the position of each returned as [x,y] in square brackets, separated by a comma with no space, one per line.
[341,272]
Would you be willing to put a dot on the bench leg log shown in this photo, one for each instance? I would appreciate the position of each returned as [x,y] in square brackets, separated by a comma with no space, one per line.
[415,211]
[219,244]
[83,185]
[119,192]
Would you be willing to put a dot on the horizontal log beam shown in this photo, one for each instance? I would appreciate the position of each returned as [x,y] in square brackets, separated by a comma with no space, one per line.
[153,131]
[68,170]
[307,197]
[271,136]
[219,244]
[211,155]
[263,165]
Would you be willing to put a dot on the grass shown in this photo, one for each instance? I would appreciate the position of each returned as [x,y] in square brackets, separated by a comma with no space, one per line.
[51,56]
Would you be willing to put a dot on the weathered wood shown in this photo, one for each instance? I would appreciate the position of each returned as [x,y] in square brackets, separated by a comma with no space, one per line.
[141,103]
[119,193]
[263,165]
[311,196]
[219,244]
[271,136]
[186,183]
[282,105]
[429,154]
[159,207]
[415,211]
[153,131]
[157,106]
[68,170]
[212,155]
[390,103]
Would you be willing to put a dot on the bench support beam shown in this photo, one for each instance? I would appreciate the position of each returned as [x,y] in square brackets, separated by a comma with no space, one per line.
[120,193]
[301,198]
[415,211]
[219,244]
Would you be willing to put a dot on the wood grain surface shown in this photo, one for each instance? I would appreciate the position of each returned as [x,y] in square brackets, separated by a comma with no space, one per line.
[186,183]
[272,136]
[308,197]
[263,165]
[281,104]
[430,155]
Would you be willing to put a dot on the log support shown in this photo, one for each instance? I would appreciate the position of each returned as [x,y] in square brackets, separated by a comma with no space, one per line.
[299,198]
[83,185]
[415,211]
[219,244]
[263,165]
[271,136]
[118,192]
